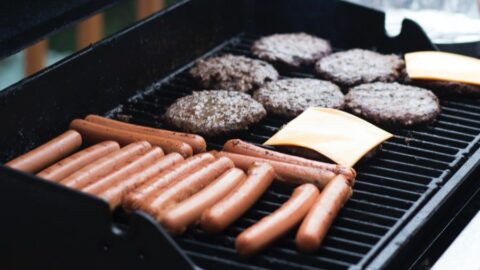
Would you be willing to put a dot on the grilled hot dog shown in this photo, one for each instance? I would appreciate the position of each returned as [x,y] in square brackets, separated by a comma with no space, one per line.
[186,187]
[187,212]
[105,165]
[237,202]
[320,217]
[136,165]
[270,228]
[197,143]
[48,153]
[289,173]
[114,194]
[93,132]
[75,162]
[240,147]
[143,193]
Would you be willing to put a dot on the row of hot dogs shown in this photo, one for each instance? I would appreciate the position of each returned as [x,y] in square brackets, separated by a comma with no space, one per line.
[170,176]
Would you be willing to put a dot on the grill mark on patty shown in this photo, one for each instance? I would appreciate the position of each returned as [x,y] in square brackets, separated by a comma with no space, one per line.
[393,104]
[233,72]
[214,112]
[294,49]
[290,97]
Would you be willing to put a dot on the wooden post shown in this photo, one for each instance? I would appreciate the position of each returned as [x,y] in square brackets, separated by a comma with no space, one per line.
[148,7]
[89,31]
[35,57]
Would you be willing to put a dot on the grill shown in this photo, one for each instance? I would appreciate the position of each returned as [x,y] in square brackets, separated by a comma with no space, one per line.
[389,188]
[374,227]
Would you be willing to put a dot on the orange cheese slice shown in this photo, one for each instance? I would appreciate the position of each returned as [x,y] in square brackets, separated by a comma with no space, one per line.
[442,66]
[340,136]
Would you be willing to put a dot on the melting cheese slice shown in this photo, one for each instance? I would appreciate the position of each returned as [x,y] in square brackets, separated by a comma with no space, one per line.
[340,136]
[442,66]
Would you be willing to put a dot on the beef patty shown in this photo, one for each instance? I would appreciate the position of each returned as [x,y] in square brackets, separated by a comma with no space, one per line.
[290,97]
[232,72]
[295,49]
[393,104]
[214,112]
[357,66]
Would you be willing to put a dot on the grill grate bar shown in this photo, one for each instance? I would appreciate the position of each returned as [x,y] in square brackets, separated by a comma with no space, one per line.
[406,194]
[455,134]
[390,201]
[460,112]
[419,169]
[406,176]
[427,162]
[423,152]
[373,205]
[384,180]
[463,128]
[434,138]
[291,254]
[447,149]
[465,106]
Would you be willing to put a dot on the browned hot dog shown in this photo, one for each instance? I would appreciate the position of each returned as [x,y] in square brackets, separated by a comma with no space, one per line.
[289,173]
[75,162]
[240,147]
[237,202]
[197,142]
[48,153]
[136,165]
[93,132]
[105,165]
[143,194]
[177,219]
[318,220]
[186,187]
[114,194]
[270,228]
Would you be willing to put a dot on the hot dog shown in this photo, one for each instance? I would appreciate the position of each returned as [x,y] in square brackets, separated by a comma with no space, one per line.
[93,132]
[289,173]
[270,228]
[240,147]
[187,212]
[318,220]
[114,194]
[48,153]
[144,192]
[136,165]
[197,143]
[75,162]
[177,192]
[105,165]
[237,202]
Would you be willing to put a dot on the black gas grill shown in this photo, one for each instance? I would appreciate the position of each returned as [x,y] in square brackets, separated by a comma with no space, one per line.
[145,68]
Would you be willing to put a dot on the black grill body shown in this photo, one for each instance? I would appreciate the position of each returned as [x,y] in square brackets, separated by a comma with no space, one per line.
[400,194]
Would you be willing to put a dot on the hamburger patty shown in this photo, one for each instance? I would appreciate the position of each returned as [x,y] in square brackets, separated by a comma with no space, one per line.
[357,66]
[393,104]
[290,97]
[295,49]
[214,112]
[232,72]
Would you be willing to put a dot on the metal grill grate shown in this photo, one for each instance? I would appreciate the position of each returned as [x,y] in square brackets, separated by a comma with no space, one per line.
[389,188]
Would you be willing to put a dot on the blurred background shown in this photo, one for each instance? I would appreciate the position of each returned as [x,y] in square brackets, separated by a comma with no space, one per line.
[453,25]
[76,37]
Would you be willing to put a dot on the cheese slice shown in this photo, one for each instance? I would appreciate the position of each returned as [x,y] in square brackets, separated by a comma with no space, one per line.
[340,136]
[442,66]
